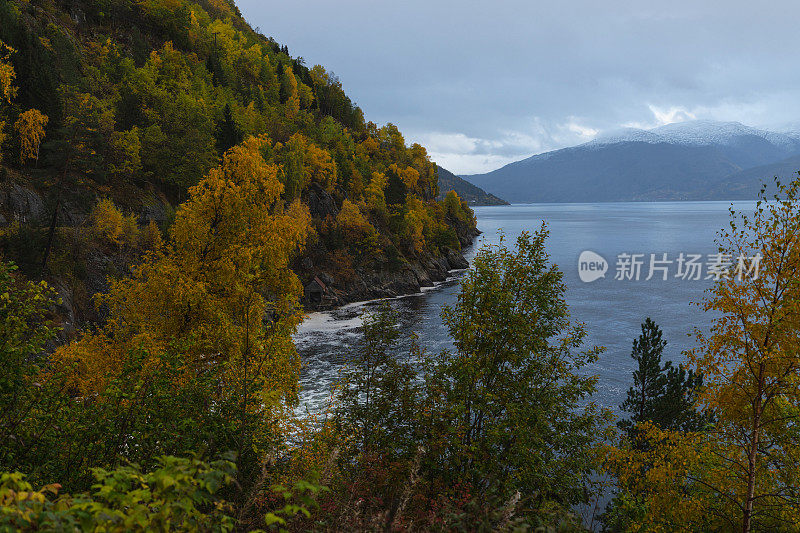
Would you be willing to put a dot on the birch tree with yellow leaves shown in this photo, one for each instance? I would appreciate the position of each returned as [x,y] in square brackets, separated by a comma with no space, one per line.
[751,358]
[743,473]
[7,74]
[7,88]
[221,291]
[30,128]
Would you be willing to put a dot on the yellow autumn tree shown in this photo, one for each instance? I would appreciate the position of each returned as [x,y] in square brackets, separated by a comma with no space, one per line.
[30,128]
[351,219]
[292,95]
[408,175]
[427,184]
[7,88]
[355,229]
[742,474]
[368,148]
[374,193]
[303,163]
[417,221]
[220,289]
[7,74]
[109,224]
[664,483]
[751,360]
[107,221]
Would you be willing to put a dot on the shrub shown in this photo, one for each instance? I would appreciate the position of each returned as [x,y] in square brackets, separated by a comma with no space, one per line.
[356,231]
[109,224]
[180,494]
[150,237]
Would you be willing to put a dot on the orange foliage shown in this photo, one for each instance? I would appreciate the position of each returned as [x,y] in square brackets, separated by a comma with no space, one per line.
[30,127]
[293,97]
[352,221]
[210,288]
[7,75]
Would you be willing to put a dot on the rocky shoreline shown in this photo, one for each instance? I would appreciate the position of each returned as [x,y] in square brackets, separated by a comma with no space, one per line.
[324,292]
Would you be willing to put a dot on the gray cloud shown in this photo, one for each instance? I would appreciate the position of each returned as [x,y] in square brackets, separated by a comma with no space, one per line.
[485,83]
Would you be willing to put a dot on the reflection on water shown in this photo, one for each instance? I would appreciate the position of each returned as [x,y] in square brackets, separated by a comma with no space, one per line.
[612,310]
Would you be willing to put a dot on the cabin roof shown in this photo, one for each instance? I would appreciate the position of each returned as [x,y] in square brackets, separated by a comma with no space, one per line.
[320,283]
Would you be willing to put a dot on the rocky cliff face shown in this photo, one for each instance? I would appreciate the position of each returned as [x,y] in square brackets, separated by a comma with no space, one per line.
[80,265]
[326,290]
[19,203]
[383,283]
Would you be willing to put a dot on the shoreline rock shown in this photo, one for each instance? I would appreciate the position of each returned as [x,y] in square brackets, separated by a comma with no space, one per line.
[323,292]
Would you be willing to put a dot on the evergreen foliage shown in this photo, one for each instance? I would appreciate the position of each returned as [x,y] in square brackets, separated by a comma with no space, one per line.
[119,99]
[227,132]
[662,394]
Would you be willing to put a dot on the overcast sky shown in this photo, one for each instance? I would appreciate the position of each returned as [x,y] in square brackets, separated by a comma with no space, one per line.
[481,84]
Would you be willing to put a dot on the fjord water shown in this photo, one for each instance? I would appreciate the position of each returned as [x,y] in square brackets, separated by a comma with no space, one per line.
[611,309]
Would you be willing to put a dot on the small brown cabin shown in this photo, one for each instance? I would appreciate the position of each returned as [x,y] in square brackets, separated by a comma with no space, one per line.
[315,291]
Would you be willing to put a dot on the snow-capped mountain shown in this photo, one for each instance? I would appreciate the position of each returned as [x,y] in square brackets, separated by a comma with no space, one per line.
[698,133]
[688,160]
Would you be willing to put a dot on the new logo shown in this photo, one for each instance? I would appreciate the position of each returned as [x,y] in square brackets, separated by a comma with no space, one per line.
[591,266]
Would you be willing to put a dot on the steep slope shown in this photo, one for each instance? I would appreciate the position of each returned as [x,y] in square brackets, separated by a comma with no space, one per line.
[136,100]
[673,162]
[614,172]
[468,192]
[745,184]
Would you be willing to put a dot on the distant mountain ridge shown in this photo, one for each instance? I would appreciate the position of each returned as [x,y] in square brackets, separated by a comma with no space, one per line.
[697,133]
[466,191]
[697,160]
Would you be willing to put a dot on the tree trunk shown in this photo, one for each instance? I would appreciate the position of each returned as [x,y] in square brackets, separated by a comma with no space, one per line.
[51,233]
[752,452]
[60,191]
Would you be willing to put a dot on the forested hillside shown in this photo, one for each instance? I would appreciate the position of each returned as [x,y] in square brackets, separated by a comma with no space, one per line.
[112,110]
[468,192]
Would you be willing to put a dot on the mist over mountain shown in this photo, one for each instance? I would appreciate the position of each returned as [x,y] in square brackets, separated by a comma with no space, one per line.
[697,160]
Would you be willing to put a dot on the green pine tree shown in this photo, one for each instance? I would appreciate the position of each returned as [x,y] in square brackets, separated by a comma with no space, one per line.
[676,407]
[227,132]
[663,394]
[649,381]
